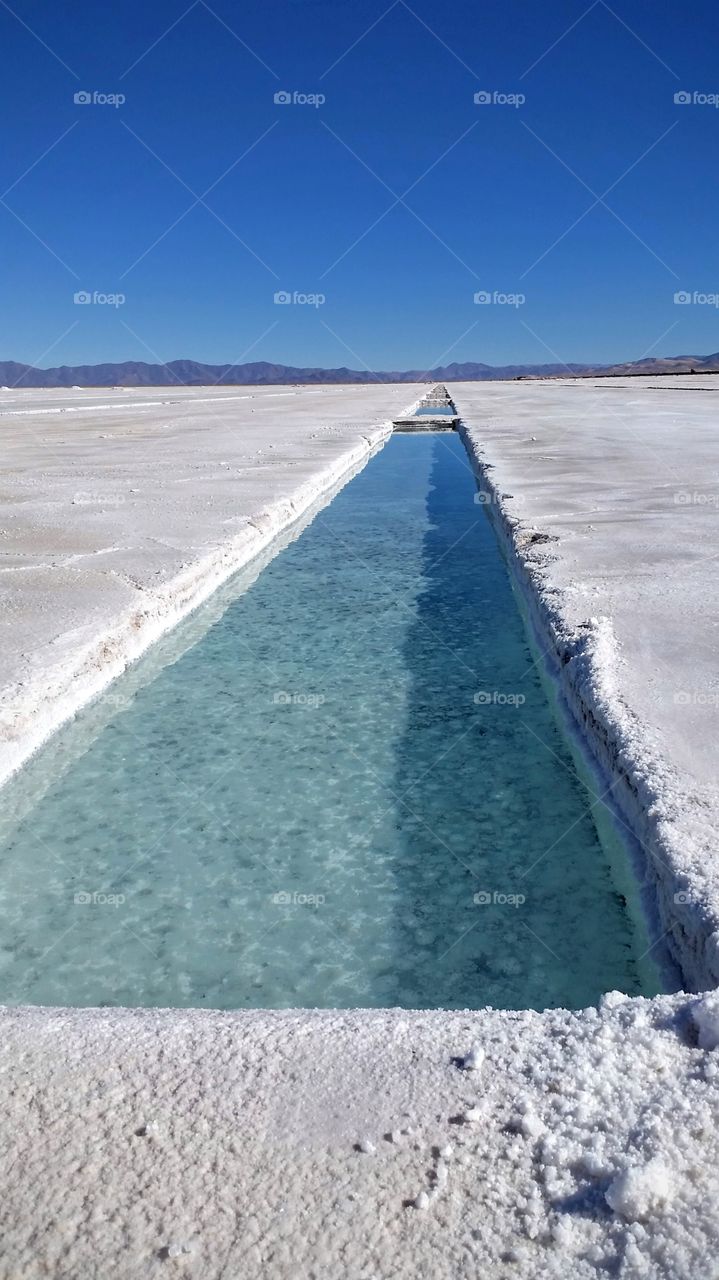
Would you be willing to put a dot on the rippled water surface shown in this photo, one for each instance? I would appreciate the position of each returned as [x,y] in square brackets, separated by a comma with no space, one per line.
[347,788]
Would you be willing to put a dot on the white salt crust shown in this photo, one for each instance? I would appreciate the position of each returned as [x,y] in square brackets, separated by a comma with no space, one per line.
[389,1143]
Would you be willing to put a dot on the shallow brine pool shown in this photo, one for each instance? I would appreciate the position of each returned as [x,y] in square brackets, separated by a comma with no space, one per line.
[340,784]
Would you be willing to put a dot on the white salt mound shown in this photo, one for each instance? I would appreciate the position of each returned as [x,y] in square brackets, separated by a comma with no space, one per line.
[473,1060]
[705,1014]
[531,1125]
[638,1191]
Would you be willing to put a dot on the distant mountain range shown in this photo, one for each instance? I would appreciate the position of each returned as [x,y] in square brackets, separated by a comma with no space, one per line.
[191,373]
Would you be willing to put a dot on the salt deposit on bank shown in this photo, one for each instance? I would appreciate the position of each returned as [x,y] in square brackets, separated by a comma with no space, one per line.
[125,509]
[605,494]
[382,1144]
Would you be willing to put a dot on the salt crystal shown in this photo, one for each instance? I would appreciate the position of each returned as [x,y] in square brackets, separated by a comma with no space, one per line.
[474,1059]
[705,1015]
[639,1190]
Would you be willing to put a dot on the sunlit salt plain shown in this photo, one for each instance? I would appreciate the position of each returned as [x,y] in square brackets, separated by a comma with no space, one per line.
[539,1143]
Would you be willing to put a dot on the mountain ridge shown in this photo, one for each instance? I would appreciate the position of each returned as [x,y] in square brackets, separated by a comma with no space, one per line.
[138,373]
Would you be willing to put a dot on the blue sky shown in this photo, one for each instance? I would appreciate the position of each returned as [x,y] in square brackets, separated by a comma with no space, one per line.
[500,198]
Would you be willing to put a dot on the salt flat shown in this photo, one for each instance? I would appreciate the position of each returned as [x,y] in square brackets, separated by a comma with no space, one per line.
[298,1144]
[385,1144]
[122,509]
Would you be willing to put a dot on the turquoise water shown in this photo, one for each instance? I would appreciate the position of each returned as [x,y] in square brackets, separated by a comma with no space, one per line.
[340,784]
[441,412]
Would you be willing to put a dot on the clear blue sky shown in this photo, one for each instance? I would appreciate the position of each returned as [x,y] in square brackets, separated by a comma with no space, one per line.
[492,186]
